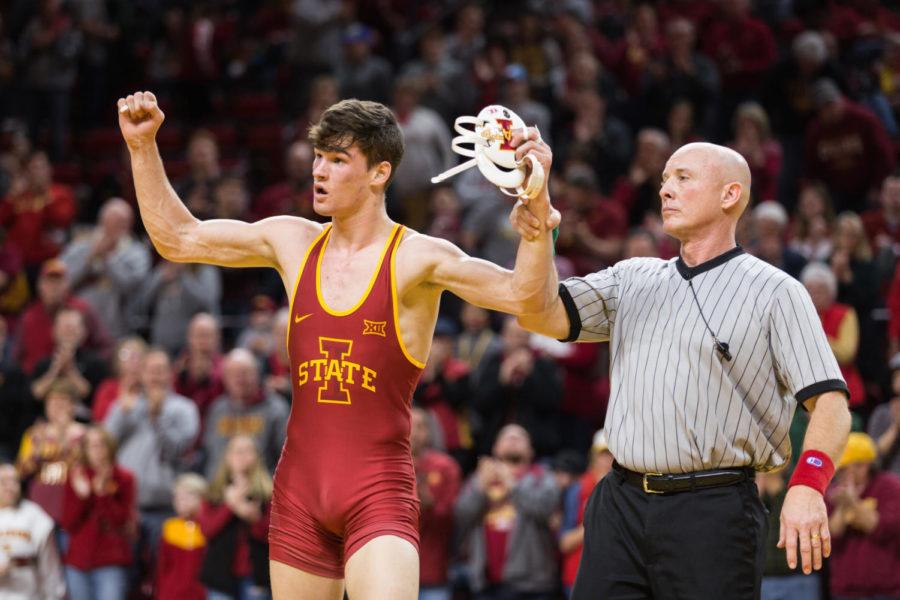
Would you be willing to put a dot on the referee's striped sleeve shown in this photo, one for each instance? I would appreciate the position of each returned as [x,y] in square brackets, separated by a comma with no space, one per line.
[591,303]
[804,361]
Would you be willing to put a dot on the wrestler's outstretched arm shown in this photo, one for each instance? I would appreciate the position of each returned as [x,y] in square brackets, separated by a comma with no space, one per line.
[177,235]
[531,287]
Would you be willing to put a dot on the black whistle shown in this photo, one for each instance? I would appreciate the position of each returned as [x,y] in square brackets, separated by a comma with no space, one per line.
[722,348]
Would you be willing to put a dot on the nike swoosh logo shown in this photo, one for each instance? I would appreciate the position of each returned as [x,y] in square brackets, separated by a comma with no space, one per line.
[301,317]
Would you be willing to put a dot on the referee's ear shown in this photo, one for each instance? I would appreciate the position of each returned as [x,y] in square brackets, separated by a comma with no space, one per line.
[734,197]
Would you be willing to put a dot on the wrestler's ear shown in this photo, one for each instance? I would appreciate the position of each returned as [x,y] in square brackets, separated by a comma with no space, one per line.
[380,174]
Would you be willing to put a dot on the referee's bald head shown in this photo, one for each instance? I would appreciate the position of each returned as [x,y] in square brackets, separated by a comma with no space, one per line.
[703,185]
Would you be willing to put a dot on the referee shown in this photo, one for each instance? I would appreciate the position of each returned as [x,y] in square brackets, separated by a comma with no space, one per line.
[711,353]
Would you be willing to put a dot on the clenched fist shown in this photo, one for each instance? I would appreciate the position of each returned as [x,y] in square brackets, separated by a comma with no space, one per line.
[139,119]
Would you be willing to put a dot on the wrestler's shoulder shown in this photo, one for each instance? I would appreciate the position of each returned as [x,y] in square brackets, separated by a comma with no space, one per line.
[286,228]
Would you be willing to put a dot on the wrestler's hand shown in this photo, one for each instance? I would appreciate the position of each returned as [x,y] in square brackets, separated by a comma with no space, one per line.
[139,119]
[804,516]
[528,225]
[528,142]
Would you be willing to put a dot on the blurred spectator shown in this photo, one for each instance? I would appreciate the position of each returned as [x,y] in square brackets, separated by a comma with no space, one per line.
[257,335]
[246,409]
[16,404]
[467,39]
[681,75]
[864,509]
[840,323]
[182,546]
[293,196]
[640,242]
[444,391]
[641,44]
[813,224]
[517,386]
[598,138]
[437,482]
[884,423]
[172,296]
[99,518]
[486,231]
[362,74]
[882,223]
[30,568]
[445,219]
[49,450]
[681,124]
[780,582]
[427,151]
[477,340]
[753,140]
[770,221]
[99,36]
[323,93]
[35,216]
[596,223]
[571,533]
[230,199]
[516,95]
[743,48]
[107,264]
[846,147]
[488,68]
[638,191]
[504,513]
[446,86]
[49,50]
[70,361]
[235,522]
[205,172]
[537,51]
[277,366]
[153,430]
[14,288]
[35,330]
[126,379]
[198,371]
[584,369]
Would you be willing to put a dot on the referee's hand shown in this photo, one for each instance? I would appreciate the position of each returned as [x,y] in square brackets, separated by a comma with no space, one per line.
[529,226]
[805,518]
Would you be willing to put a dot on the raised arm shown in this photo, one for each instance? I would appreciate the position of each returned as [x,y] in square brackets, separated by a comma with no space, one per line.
[531,286]
[178,235]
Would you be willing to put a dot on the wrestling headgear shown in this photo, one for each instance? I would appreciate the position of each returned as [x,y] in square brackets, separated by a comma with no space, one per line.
[492,153]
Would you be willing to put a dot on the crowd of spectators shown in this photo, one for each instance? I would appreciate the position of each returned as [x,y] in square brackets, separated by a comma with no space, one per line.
[144,402]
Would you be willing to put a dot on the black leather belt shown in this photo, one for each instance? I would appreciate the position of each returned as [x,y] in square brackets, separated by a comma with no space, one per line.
[659,483]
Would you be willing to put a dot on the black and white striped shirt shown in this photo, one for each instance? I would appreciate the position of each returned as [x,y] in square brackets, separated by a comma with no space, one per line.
[676,404]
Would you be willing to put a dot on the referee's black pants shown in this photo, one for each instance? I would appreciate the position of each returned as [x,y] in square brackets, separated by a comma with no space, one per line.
[705,545]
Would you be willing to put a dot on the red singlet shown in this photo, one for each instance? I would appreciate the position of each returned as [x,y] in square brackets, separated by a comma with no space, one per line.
[345,475]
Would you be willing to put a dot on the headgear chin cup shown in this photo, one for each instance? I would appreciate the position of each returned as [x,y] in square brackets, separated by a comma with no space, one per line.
[488,134]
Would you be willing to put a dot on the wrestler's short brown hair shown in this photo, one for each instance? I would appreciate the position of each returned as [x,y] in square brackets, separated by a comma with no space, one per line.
[370,125]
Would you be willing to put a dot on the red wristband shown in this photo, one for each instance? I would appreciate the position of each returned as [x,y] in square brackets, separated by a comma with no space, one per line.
[814,469]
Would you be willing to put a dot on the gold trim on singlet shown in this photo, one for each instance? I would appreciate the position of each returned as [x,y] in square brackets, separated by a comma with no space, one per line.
[396,304]
[372,281]
[287,336]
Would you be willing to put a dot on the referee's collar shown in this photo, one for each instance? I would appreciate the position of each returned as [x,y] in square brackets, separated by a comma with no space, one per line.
[690,272]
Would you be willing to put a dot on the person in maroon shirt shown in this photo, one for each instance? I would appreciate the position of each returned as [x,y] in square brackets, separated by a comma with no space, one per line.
[754,141]
[99,515]
[35,329]
[235,523]
[438,479]
[32,216]
[846,147]
[293,196]
[199,369]
[864,509]
[882,223]
[182,546]
[129,360]
[741,45]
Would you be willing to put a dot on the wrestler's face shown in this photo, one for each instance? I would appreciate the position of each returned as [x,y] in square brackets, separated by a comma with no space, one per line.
[9,486]
[690,194]
[343,178]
